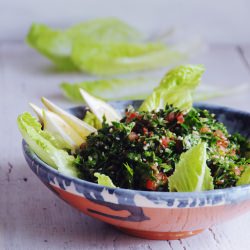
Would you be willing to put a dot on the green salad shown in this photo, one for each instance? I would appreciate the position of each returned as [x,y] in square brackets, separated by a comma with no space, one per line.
[165,145]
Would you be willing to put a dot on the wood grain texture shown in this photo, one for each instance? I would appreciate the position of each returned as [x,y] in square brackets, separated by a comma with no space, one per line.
[31,217]
[245,52]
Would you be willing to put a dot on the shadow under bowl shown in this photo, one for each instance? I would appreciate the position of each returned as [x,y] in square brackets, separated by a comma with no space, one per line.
[148,214]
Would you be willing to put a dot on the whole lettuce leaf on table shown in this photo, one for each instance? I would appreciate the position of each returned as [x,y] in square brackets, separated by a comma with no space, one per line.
[138,88]
[88,46]
[111,89]
[57,44]
[53,44]
[110,58]
[105,29]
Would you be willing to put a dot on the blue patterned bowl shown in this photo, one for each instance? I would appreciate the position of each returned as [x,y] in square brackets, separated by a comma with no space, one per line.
[147,214]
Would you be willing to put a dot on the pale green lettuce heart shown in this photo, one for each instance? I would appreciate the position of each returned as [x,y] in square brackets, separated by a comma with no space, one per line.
[104,180]
[191,172]
[175,88]
[110,58]
[245,177]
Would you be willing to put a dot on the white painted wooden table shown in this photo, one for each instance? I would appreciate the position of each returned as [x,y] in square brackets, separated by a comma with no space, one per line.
[32,217]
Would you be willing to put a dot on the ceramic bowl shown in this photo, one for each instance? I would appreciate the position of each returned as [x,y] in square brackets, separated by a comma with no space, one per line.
[148,214]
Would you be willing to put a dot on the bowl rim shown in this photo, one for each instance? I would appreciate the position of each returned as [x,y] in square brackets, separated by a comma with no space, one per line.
[227,193]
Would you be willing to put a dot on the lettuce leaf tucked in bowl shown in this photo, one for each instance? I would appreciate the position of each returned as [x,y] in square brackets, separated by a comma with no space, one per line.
[45,145]
[164,145]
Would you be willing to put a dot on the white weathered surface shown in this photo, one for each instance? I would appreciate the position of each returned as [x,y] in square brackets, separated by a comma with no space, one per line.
[216,21]
[31,217]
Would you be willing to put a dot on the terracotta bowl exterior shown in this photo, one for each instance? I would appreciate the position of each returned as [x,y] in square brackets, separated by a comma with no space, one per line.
[147,214]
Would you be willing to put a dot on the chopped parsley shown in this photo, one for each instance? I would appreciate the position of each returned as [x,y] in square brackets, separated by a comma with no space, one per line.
[141,151]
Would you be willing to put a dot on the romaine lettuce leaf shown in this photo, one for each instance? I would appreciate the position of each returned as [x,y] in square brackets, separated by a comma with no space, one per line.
[111,89]
[120,89]
[191,172]
[27,120]
[245,177]
[121,57]
[104,180]
[179,97]
[90,45]
[188,76]
[175,88]
[53,44]
[105,29]
[44,145]
[57,44]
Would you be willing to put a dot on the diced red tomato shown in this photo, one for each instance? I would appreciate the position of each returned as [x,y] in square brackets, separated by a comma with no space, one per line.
[180,118]
[145,130]
[132,136]
[131,116]
[151,185]
[205,130]
[233,152]
[222,143]
[242,167]
[161,179]
[220,134]
[237,171]
[165,141]
[151,133]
